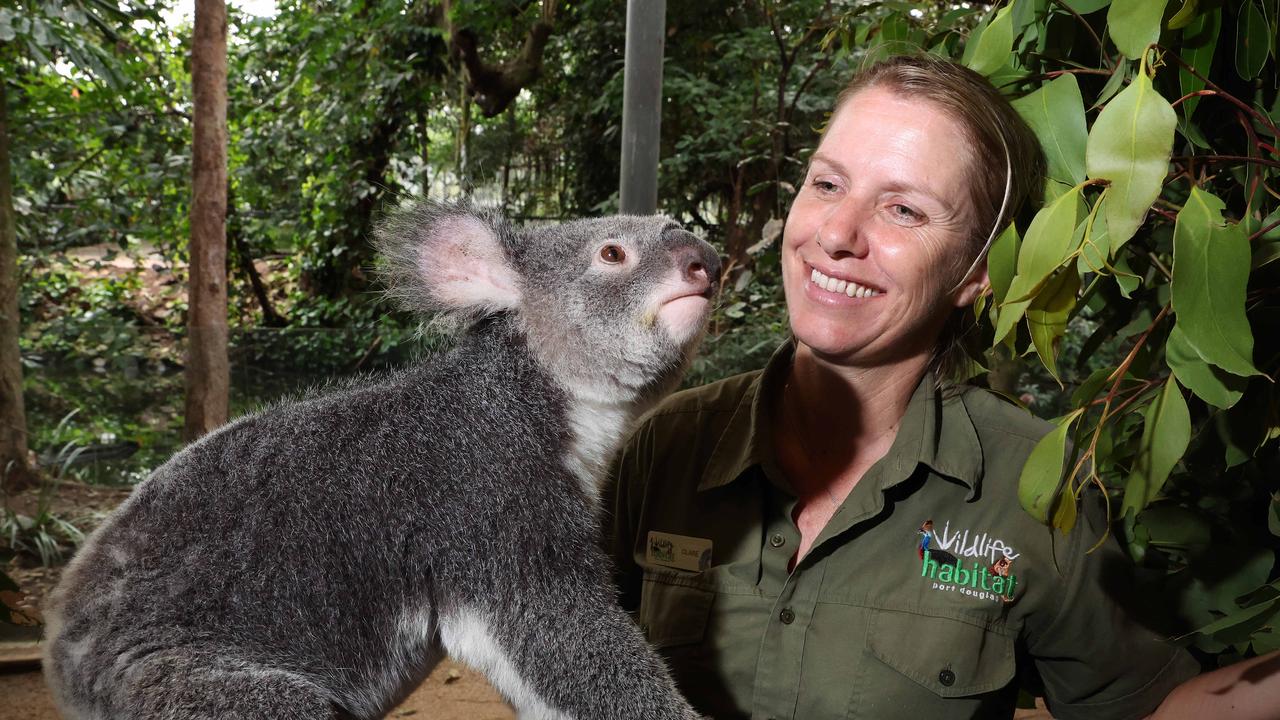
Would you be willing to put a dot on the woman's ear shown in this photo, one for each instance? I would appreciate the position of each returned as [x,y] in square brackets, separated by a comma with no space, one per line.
[972,287]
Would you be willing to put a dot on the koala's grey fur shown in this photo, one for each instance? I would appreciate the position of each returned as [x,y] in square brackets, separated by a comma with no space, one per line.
[317,559]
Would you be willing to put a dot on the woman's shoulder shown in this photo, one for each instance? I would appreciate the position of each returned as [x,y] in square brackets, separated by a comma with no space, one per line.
[995,416]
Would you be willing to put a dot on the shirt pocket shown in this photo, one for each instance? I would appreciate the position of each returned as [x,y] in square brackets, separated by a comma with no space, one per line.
[950,656]
[673,609]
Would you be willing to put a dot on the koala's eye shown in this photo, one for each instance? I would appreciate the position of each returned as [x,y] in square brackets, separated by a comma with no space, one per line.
[612,254]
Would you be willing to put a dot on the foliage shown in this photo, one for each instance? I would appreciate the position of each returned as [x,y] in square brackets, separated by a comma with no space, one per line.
[1158,233]
[44,535]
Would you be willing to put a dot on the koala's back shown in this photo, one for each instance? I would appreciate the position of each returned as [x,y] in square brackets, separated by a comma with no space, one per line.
[320,536]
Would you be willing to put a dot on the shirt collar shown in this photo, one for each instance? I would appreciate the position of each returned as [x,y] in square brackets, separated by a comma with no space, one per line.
[936,430]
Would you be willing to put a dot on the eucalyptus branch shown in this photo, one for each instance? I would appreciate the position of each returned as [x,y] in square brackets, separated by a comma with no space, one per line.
[1053,74]
[1228,159]
[1117,379]
[1198,93]
[1264,231]
[1220,92]
[1159,265]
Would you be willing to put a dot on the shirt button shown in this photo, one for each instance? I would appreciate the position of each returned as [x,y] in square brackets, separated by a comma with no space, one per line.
[777,540]
[787,616]
[947,678]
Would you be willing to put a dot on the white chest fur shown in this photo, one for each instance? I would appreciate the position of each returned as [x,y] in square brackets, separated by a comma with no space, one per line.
[596,429]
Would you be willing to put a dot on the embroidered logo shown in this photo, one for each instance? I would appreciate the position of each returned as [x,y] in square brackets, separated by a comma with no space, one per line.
[988,577]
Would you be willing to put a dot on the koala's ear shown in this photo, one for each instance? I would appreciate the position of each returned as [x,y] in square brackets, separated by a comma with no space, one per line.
[448,259]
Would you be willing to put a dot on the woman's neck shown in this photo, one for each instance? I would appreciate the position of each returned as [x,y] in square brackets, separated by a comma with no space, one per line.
[847,410]
[831,424]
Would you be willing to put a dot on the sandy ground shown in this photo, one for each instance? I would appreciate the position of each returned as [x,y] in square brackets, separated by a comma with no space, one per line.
[452,692]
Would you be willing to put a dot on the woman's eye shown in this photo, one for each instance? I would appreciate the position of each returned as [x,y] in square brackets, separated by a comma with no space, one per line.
[824,186]
[612,254]
[902,212]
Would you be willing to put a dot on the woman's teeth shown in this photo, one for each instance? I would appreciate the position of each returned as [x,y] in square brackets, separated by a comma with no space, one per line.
[830,284]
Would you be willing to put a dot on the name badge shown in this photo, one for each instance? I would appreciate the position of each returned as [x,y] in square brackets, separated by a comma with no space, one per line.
[678,551]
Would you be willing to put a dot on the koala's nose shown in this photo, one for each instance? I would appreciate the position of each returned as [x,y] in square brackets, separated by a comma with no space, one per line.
[701,265]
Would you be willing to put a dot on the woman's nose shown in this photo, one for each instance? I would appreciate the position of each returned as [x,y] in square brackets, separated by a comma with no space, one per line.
[844,231]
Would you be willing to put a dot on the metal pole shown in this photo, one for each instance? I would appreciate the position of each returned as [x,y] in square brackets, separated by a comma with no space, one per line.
[642,106]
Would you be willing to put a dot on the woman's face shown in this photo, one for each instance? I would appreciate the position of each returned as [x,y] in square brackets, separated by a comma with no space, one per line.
[878,235]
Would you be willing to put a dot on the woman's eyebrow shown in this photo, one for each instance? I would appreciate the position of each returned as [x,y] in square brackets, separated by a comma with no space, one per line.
[907,187]
[893,185]
[825,159]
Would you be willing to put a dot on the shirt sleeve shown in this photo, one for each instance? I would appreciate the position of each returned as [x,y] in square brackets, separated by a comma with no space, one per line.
[1095,661]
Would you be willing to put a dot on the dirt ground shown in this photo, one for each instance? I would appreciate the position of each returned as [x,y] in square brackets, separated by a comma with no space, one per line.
[452,692]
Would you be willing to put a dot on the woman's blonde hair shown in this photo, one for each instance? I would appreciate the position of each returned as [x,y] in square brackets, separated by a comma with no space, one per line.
[1006,165]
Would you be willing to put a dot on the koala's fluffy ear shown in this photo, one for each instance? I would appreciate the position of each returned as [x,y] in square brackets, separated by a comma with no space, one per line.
[447,259]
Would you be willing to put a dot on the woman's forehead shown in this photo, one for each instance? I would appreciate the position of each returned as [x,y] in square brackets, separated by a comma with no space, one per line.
[900,142]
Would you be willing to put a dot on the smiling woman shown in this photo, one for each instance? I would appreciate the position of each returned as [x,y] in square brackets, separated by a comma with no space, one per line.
[810,491]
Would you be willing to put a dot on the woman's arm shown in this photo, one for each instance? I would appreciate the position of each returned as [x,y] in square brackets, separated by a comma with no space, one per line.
[1244,691]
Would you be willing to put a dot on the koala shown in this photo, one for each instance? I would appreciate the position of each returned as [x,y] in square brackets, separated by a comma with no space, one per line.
[318,558]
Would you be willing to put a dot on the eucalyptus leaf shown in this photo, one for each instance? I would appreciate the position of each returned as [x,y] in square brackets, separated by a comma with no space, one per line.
[1054,234]
[1134,25]
[1091,386]
[1056,113]
[1126,279]
[1253,40]
[1129,145]
[1084,7]
[1042,474]
[1166,431]
[1265,254]
[1210,274]
[1238,617]
[1047,317]
[1273,516]
[1199,41]
[1002,261]
[1122,72]
[995,44]
[1168,524]
[1185,15]
[1214,386]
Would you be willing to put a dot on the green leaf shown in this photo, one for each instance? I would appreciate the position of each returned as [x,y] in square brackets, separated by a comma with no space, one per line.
[1092,384]
[1047,317]
[1266,254]
[1253,40]
[1042,474]
[1134,24]
[1123,71]
[1166,431]
[1126,279]
[1172,525]
[995,44]
[1199,41]
[1238,617]
[1129,145]
[1185,14]
[1054,234]
[1084,7]
[1056,113]
[1210,274]
[1095,247]
[1002,262]
[1273,516]
[1214,386]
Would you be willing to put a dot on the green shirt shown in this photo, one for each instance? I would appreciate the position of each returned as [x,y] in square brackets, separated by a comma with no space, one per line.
[885,617]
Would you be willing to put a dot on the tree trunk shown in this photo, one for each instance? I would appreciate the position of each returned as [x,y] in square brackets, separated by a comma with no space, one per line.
[15,474]
[208,374]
